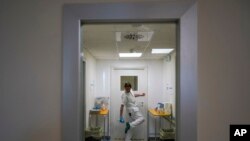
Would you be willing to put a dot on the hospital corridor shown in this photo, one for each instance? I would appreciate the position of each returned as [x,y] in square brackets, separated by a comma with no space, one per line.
[129,70]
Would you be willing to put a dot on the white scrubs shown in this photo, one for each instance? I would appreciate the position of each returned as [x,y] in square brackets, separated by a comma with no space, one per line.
[135,116]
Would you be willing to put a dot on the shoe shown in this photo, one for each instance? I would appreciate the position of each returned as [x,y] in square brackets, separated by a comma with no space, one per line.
[127,127]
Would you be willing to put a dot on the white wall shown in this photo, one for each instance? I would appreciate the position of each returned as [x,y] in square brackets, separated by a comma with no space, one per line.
[90,84]
[223,66]
[30,72]
[169,80]
[154,77]
[31,68]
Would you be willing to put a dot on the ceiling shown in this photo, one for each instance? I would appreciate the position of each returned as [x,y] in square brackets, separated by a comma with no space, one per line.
[105,41]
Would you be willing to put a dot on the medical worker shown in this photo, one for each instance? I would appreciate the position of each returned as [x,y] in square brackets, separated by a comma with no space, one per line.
[135,116]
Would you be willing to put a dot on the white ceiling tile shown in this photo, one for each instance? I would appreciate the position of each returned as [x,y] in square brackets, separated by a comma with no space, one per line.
[104,41]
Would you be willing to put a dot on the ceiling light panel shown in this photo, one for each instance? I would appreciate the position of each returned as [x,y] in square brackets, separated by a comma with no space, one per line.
[130,54]
[162,50]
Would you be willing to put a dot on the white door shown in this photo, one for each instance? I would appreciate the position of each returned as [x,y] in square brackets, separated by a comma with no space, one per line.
[117,129]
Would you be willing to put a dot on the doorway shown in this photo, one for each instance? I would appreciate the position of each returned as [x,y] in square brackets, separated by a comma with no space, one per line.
[71,88]
[106,70]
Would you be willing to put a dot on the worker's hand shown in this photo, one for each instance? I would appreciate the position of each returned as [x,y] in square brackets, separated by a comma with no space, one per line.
[143,94]
[121,120]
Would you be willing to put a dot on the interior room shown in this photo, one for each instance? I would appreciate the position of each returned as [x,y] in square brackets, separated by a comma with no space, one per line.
[143,54]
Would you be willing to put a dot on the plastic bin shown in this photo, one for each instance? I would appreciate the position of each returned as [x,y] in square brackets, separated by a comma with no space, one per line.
[166,134]
[94,132]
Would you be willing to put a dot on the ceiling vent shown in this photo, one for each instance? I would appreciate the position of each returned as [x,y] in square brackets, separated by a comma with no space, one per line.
[133,36]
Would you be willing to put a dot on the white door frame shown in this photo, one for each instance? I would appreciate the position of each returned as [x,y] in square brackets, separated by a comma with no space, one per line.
[72,83]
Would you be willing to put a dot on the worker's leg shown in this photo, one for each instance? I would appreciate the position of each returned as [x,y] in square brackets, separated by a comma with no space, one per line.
[137,119]
[129,135]
[136,116]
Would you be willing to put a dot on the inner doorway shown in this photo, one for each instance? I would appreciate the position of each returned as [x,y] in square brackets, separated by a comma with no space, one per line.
[155,45]
[137,77]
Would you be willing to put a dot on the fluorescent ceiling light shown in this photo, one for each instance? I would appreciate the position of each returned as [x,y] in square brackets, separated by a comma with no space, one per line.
[130,54]
[162,51]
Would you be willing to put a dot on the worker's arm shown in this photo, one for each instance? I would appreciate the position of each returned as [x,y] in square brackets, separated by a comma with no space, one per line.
[121,114]
[137,95]
[121,110]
